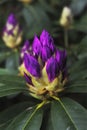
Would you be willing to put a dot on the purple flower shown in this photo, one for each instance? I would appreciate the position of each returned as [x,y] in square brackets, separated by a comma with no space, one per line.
[28,79]
[25,47]
[36,46]
[32,65]
[61,57]
[52,68]
[12,20]
[47,40]
[12,33]
[45,66]
[45,53]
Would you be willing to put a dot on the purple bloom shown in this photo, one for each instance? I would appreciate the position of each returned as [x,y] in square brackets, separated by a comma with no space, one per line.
[36,46]
[25,47]
[45,53]
[12,33]
[45,50]
[32,65]
[61,58]
[52,68]
[45,66]
[47,40]
[12,20]
[28,79]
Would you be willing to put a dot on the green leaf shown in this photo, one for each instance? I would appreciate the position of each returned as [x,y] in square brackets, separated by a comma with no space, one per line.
[4,126]
[81,24]
[12,62]
[46,6]
[33,21]
[78,70]
[78,75]
[49,125]
[77,87]
[66,114]
[5,72]
[10,113]
[11,84]
[30,119]
[78,66]
[4,56]
[82,48]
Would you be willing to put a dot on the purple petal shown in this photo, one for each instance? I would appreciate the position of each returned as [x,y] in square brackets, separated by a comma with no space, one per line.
[23,50]
[12,19]
[61,57]
[32,65]
[52,47]
[28,79]
[36,46]
[47,40]
[45,54]
[26,46]
[52,68]
[10,32]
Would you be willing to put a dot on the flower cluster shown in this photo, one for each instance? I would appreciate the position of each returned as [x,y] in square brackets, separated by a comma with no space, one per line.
[12,33]
[43,66]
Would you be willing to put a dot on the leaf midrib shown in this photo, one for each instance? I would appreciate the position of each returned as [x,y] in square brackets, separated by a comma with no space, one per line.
[61,103]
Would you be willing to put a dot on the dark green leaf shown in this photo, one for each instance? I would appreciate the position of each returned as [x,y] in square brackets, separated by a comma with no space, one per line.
[4,126]
[4,55]
[66,114]
[10,113]
[78,66]
[12,62]
[82,48]
[30,119]
[49,125]
[36,23]
[5,72]
[78,75]
[77,87]
[11,84]
[81,24]
[46,6]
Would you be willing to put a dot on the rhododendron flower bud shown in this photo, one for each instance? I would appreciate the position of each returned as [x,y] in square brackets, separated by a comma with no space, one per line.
[44,67]
[66,17]
[12,33]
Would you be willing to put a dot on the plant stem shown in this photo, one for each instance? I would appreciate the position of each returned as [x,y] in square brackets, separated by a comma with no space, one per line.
[56,98]
[66,37]
[41,104]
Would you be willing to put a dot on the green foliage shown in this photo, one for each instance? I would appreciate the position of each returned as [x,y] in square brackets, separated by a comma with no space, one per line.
[35,19]
[81,24]
[11,84]
[65,116]
[18,110]
[29,119]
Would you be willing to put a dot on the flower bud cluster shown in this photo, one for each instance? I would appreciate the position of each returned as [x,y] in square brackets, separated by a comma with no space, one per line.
[43,66]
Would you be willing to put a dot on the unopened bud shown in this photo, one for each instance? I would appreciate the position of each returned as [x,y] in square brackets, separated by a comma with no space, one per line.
[66,17]
[12,33]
